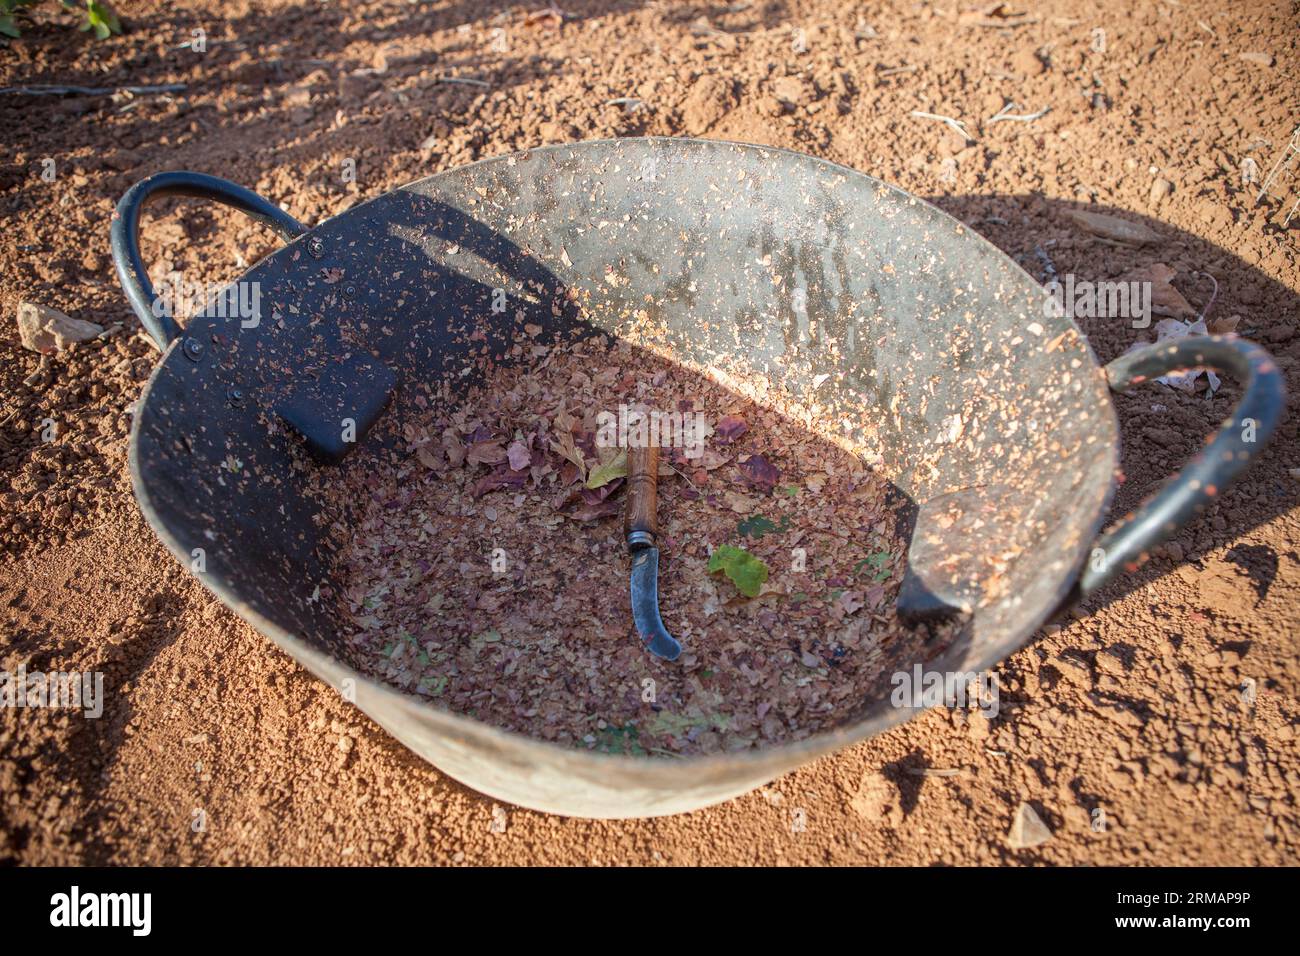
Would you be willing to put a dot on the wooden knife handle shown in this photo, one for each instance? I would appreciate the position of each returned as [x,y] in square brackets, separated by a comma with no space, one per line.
[640,519]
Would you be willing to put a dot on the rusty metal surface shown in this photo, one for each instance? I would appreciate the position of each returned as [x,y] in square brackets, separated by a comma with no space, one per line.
[926,342]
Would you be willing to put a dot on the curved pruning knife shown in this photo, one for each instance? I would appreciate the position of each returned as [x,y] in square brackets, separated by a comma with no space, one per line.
[640,525]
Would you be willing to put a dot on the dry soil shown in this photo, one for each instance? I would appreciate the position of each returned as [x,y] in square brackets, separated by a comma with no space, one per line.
[1157,725]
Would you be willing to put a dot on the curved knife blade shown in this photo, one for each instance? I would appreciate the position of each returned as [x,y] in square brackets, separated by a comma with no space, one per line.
[645,605]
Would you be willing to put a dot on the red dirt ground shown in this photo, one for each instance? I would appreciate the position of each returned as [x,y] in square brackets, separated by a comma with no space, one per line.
[1169,702]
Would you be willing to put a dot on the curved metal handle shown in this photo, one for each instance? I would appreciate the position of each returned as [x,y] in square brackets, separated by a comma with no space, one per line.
[1238,441]
[131,272]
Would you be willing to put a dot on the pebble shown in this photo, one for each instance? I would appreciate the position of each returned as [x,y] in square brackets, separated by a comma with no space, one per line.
[1027,829]
[1113,227]
[1160,190]
[47,330]
[42,370]
[1263,59]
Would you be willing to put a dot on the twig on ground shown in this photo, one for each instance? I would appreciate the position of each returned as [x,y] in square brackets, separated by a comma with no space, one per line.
[93,90]
[955,124]
[1006,114]
[895,70]
[684,478]
[632,103]
[1213,295]
[465,80]
[552,11]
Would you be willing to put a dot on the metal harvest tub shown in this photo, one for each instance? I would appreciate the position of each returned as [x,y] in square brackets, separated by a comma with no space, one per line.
[990,414]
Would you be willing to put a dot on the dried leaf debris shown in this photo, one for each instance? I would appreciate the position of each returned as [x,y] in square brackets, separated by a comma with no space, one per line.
[484,569]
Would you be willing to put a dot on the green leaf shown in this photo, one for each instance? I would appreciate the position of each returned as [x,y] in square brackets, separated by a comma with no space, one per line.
[434,686]
[878,562]
[666,722]
[8,27]
[746,572]
[603,474]
[620,740]
[756,526]
[101,19]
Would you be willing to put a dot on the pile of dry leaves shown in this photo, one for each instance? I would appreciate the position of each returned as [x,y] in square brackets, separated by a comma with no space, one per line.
[487,573]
